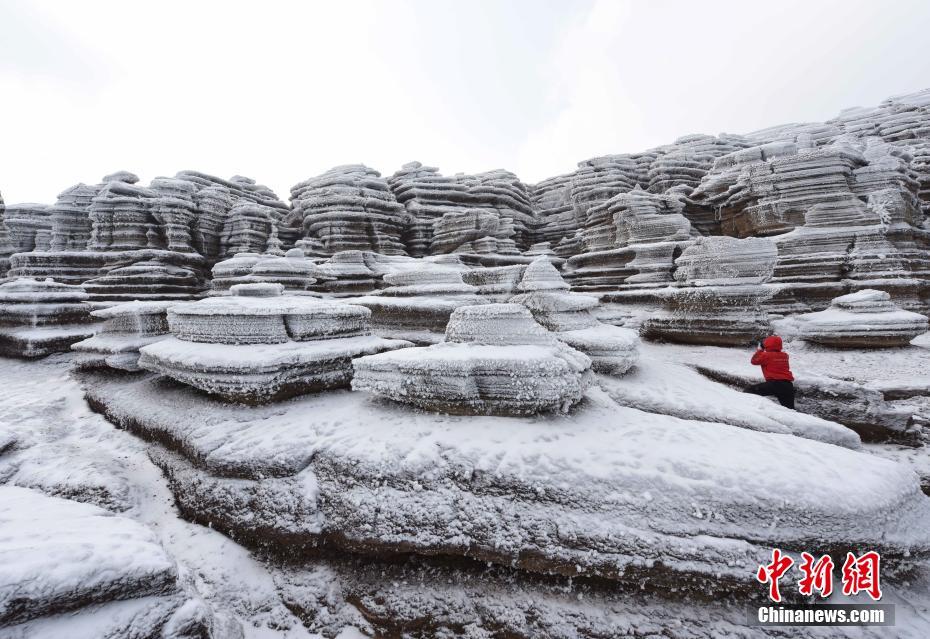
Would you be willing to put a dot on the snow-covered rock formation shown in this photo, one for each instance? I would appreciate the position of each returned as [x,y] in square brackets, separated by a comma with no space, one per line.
[417,303]
[496,283]
[485,213]
[39,318]
[126,328]
[157,242]
[258,345]
[6,247]
[75,570]
[719,298]
[29,226]
[292,270]
[533,495]
[866,319]
[612,349]
[473,231]
[347,273]
[350,208]
[496,360]
[640,240]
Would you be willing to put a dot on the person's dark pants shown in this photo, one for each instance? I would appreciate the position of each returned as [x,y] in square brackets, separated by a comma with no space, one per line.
[783,391]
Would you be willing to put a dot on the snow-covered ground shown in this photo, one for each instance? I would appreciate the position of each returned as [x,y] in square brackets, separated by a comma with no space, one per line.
[51,441]
[62,448]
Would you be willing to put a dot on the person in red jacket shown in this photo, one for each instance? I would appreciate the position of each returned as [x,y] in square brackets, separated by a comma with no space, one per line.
[775,370]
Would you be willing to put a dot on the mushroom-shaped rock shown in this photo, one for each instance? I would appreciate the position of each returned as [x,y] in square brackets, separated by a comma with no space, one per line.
[258,345]
[612,349]
[866,319]
[496,360]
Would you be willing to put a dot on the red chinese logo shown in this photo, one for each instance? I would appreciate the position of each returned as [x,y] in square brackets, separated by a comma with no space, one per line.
[771,573]
[859,574]
[816,576]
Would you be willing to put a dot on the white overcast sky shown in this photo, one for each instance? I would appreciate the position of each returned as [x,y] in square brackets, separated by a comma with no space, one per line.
[281,91]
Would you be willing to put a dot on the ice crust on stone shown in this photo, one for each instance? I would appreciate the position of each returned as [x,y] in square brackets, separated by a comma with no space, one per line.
[60,556]
[496,360]
[38,318]
[292,270]
[126,328]
[350,207]
[865,319]
[721,297]
[612,349]
[417,302]
[29,226]
[258,345]
[693,496]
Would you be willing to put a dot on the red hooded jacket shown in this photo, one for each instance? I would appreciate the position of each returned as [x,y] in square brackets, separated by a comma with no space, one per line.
[774,363]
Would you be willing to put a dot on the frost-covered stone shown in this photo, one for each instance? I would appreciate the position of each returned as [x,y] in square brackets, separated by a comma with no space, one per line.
[347,273]
[248,228]
[417,303]
[534,494]
[39,318]
[29,225]
[645,234]
[350,207]
[866,319]
[103,573]
[258,345]
[426,196]
[473,231]
[496,360]
[292,270]
[148,275]
[611,349]
[558,218]
[6,247]
[497,283]
[126,328]
[720,298]
[687,160]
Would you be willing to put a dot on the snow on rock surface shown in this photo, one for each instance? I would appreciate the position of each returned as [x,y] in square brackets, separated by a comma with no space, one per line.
[825,387]
[38,318]
[126,328]
[58,556]
[496,360]
[6,246]
[350,207]
[292,270]
[865,319]
[29,226]
[611,349]
[661,384]
[64,449]
[719,299]
[258,345]
[607,491]
[418,302]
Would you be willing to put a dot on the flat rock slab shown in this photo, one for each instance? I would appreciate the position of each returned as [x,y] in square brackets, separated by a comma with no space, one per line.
[58,555]
[606,491]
